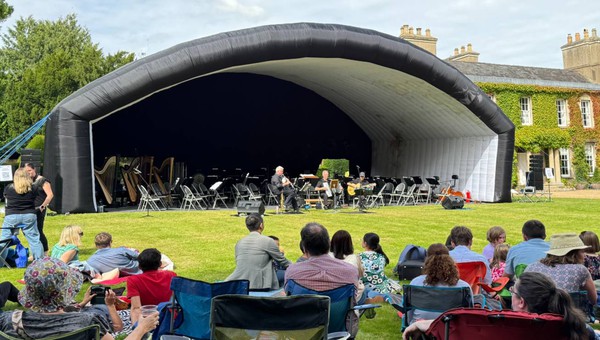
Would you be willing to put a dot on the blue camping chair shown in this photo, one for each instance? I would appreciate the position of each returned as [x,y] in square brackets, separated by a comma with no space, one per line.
[342,307]
[16,257]
[188,312]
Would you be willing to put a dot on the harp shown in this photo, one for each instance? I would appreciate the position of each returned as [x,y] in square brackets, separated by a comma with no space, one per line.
[164,174]
[107,178]
[130,179]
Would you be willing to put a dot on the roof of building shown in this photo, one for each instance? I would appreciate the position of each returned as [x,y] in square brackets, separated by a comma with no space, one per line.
[525,75]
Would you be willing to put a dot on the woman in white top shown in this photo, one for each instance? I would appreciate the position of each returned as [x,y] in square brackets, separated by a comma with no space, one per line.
[342,248]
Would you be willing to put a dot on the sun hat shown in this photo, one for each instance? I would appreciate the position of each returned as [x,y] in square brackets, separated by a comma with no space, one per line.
[562,244]
[50,285]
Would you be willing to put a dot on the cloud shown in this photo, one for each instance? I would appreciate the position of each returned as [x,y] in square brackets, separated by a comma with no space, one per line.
[236,7]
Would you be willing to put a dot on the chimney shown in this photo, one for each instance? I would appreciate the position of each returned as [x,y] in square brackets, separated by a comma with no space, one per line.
[465,54]
[583,54]
[426,42]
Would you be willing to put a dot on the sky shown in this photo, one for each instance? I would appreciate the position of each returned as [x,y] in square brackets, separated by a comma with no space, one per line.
[514,32]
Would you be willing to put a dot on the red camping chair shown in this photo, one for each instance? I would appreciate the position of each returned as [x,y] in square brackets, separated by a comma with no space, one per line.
[473,273]
[469,323]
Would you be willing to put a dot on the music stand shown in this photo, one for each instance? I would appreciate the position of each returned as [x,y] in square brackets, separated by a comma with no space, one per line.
[214,188]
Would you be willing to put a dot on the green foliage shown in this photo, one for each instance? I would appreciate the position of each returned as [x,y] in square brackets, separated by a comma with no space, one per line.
[536,138]
[37,142]
[42,62]
[5,10]
[335,167]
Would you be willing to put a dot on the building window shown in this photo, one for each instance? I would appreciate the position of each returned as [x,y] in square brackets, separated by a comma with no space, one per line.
[590,157]
[586,113]
[561,112]
[565,163]
[526,118]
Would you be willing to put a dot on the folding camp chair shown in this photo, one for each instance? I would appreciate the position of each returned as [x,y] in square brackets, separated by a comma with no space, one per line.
[192,298]
[342,317]
[432,299]
[251,317]
[86,333]
[467,323]
[474,273]
[7,243]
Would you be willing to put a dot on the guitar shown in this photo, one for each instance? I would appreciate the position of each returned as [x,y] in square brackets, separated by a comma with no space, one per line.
[353,186]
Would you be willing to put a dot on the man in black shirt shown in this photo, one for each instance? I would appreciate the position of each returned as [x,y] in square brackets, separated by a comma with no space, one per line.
[282,184]
[324,187]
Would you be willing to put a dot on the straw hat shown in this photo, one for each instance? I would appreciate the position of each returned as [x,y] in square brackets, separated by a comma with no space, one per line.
[562,244]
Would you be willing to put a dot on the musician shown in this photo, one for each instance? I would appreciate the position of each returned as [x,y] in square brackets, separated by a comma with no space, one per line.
[324,187]
[282,184]
[357,183]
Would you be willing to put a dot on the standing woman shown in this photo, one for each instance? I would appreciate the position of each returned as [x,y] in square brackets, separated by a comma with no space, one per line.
[43,198]
[20,211]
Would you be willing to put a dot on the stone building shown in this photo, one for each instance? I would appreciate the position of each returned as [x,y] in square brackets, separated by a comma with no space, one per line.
[555,111]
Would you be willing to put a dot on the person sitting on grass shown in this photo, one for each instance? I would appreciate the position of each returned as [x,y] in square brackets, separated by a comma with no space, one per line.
[534,293]
[151,287]
[591,260]
[374,261]
[112,262]
[8,292]
[495,236]
[462,240]
[50,286]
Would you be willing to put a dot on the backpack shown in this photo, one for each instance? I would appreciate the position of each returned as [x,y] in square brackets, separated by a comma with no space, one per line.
[411,262]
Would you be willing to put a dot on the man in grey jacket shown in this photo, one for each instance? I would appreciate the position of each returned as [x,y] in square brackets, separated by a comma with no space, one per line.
[254,256]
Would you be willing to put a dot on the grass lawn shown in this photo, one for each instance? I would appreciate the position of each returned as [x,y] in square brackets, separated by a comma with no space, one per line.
[201,243]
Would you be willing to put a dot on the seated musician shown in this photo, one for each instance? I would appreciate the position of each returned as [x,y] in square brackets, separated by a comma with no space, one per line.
[326,192]
[283,184]
[359,182]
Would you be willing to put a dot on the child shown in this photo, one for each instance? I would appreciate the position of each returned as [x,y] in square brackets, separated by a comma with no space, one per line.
[499,260]
[278,268]
[495,235]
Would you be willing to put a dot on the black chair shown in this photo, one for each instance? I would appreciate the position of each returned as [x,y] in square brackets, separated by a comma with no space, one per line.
[252,317]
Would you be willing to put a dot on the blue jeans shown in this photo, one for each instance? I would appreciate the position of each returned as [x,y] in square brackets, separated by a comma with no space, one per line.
[28,223]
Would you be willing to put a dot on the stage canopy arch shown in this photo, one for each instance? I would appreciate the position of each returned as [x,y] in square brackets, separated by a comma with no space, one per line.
[416,114]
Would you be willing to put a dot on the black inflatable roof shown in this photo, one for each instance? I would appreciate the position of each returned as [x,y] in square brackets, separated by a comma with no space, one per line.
[405,99]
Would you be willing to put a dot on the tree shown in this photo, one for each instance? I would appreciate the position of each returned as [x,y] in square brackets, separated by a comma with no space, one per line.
[5,10]
[42,62]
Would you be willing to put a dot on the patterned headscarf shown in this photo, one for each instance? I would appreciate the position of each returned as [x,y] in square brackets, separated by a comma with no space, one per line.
[50,285]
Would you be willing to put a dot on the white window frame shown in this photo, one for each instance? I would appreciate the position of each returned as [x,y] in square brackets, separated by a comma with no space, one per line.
[565,162]
[587,118]
[526,112]
[590,157]
[562,113]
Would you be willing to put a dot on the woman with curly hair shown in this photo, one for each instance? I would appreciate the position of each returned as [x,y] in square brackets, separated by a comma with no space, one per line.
[439,271]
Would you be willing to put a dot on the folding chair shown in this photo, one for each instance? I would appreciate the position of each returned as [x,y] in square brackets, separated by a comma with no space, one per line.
[86,333]
[290,317]
[397,194]
[192,299]
[240,193]
[272,199]
[190,200]
[432,299]
[581,301]
[379,197]
[474,273]
[408,195]
[467,323]
[217,195]
[424,193]
[148,201]
[7,243]
[342,307]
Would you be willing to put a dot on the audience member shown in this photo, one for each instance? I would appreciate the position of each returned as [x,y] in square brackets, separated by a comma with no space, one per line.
[532,249]
[279,269]
[462,240]
[591,260]
[111,262]
[495,236]
[254,256]
[564,265]
[374,261]
[499,261]
[439,271]
[151,287]
[67,248]
[43,197]
[320,272]
[343,249]
[304,256]
[534,293]
[50,286]
[20,211]
[8,292]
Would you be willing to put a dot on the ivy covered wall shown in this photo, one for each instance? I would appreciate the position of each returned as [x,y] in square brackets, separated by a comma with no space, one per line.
[545,134]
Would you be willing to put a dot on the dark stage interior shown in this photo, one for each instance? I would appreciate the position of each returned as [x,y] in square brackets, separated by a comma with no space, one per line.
[233,120]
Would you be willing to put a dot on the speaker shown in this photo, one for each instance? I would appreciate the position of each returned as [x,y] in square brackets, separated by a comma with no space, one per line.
[249,207]
[453,202]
